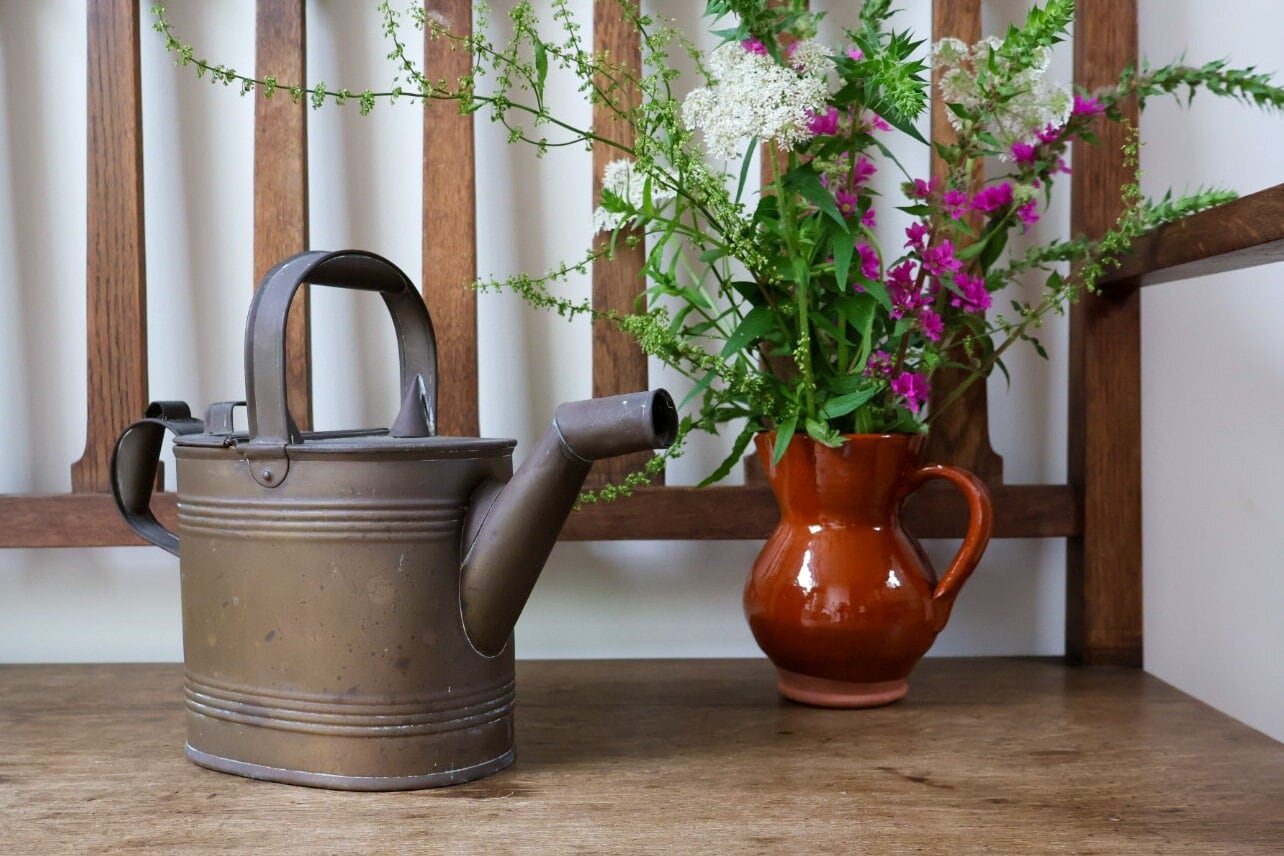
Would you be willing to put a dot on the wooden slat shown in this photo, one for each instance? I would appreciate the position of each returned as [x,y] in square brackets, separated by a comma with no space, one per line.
[281,180]
[1103,564]
[619,365]
[724,513]
[116,264]
[749,512]
[450,228]
[961,434]
[1239,234]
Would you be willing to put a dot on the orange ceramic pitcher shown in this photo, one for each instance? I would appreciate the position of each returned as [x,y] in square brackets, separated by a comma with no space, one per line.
[841,599]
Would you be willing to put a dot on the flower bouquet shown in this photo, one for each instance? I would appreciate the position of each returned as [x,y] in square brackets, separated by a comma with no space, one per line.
[791,310]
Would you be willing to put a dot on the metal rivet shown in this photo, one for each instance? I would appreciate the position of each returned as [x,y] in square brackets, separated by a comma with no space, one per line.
[267,475]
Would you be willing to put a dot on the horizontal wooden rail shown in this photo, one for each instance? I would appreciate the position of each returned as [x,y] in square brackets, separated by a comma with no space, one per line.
[1239,234]
[658,513]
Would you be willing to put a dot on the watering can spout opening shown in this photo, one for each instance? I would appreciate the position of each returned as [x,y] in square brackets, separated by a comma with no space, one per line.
[510,532]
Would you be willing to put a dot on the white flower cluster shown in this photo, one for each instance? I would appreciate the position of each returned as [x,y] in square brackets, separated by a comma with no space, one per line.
[756,97]
[1035,104]
[620,178]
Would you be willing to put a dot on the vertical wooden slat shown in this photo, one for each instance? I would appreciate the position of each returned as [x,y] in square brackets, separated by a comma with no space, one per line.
[116,264]
[281,179]
[961,434]
[450,228]
[618,364]
[1103,603]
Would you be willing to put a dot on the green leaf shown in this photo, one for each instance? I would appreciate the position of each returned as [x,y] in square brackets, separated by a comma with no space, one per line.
[822,433]
[759,320]
[737,452]
[843,246]
[697,389]
[744,166]
[541,66]
[843,404]
[806,183]
[784,435]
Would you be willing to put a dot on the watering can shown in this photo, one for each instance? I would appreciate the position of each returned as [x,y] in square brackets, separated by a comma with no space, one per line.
[349,596]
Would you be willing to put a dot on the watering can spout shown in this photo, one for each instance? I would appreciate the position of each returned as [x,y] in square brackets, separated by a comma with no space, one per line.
[511,528]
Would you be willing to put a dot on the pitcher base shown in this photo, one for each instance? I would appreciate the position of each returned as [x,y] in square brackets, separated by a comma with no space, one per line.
[824,692]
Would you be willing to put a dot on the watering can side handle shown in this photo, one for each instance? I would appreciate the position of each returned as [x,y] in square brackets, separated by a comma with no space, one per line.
[134,463]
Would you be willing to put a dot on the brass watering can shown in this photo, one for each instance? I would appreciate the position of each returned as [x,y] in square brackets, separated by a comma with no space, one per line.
[349,597]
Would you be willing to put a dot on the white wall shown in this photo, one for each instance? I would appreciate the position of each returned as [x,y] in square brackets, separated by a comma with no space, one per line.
[608,599]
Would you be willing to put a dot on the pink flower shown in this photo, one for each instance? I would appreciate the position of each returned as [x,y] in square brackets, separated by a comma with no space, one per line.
[867,219]
[1023,153]
[992,198]
[931,325]
[869,263]
[955,202]
[847,201]
[1028,213]
[1086,107]
[863,170]
[974,297]
[924,189]
[878,123]
[856,54]
[824,124]
[879,364]
[917,234]
[1049,134]
[754,46]
[902,290]
[914,388]
[940,259]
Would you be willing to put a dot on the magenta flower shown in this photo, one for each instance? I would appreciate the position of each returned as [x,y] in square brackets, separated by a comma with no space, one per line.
[863,170]
[1049,134]
[974,297]
[1086,107]
[824,124]
[878,123]
[856,54]
[914,388]
[1028,213]
[846,201]
[1023,153]
[931,325]
[903,291]
[869,263]
[868,220]
[992,198]
[754,46]
[923,189]
[940,259]
[917,234]
[955,202]
[878,365]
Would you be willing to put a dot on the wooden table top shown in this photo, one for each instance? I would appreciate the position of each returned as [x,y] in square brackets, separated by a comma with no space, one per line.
[1005,756]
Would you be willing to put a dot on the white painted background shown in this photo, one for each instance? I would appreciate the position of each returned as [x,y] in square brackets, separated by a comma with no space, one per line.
[1212,354]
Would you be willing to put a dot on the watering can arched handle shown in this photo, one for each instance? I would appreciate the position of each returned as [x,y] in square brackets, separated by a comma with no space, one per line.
[271,425]
[134,463]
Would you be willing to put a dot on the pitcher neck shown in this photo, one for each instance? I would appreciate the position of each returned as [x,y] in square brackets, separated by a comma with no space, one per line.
[857,481]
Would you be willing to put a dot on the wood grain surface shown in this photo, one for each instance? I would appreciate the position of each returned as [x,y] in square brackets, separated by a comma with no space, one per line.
[675,757]
[1103,564]
[724,513]
[619,366]
[281,180]
[116,263]
[450,227]
[960,434]
[1239,234]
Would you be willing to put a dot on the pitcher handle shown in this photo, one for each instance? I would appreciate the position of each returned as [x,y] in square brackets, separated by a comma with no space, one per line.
[134,463]
[979,527]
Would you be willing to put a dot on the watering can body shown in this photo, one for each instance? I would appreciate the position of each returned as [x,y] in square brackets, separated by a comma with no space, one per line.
[348,597]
